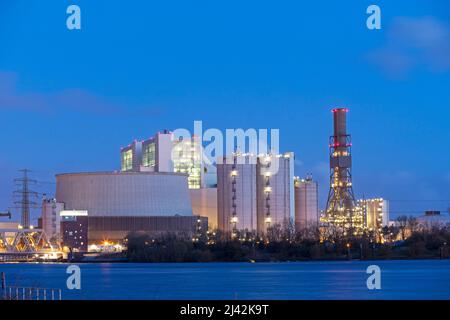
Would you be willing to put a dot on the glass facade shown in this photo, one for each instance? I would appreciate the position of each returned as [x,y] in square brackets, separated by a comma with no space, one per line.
[163,153]
[187,159]
[149,155]
[127,160]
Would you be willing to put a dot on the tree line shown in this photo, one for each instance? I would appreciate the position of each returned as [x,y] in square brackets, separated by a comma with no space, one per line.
[406,239]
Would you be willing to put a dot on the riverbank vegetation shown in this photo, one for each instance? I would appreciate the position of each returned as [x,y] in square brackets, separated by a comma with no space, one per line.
[286,245]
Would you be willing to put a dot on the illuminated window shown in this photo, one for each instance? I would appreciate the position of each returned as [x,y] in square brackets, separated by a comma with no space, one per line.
[187,159]
[127,160]
[149,155]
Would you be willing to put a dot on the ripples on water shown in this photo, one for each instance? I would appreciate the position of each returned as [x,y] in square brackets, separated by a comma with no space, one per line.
[424,279]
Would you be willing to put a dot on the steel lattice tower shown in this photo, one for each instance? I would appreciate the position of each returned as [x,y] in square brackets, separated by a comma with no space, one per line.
[24,194]
[342,210]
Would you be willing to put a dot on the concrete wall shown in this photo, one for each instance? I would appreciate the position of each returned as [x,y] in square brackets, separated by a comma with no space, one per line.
[125,193]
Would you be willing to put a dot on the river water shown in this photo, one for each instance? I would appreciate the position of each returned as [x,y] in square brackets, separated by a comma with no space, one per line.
[422,279]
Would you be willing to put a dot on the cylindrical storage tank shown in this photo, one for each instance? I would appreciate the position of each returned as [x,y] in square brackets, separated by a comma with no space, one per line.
[238,197]
[306,204]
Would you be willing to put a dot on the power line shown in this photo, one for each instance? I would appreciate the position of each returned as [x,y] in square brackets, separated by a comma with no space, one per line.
[46,182]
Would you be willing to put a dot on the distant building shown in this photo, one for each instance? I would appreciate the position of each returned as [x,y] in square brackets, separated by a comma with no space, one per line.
[50,218]
[255,192]
[432,219]
[376,212]
[74,229]
[164,153]
[306,204]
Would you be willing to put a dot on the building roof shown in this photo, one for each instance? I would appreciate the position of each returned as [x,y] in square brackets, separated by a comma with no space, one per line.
[112,173]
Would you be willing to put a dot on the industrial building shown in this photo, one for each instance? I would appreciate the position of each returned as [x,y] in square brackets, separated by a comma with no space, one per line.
[165,153]
[255,192]
[376,213]
[74,229]
[118,203]
[306,204]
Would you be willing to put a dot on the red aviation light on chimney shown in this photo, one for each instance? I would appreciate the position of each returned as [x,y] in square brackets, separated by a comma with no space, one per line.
[337,145]
[339,110]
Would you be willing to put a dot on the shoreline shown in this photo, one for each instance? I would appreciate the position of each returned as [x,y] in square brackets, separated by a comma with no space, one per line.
[220,262]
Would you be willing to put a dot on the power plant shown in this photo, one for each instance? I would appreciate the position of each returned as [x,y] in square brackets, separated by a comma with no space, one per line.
[156,194]
[342,210]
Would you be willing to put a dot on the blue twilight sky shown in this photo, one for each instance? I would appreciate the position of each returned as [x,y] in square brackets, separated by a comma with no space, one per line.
[70,99]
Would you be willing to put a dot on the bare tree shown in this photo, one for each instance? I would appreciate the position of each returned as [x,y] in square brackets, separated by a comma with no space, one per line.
[289,230]
[412,224]
[274,233]
[402,223]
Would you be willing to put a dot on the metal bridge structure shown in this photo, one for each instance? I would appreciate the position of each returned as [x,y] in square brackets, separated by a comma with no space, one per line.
[26,244]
